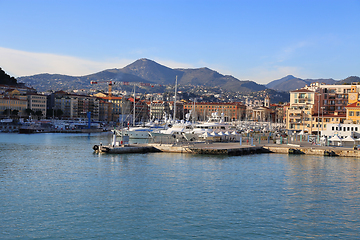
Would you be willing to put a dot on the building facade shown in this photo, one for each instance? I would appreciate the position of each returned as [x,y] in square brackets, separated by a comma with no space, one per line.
[37,102]
[202,111]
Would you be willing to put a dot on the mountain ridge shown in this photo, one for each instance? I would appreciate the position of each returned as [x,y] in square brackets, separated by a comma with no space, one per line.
[147,71]
[289,83]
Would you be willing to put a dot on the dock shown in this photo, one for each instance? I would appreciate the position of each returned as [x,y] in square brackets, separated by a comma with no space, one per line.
[229,148]
[309,149]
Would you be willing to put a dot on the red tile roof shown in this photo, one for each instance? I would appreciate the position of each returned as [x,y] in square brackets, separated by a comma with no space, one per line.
[353,105]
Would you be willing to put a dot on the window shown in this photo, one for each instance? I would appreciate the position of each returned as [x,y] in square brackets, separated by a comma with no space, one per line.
[351,113]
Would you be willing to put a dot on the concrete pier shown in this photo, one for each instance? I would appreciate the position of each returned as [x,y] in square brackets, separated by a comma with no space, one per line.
[122,149]
[213,148]
[193,148]
[231,149]
[315,150]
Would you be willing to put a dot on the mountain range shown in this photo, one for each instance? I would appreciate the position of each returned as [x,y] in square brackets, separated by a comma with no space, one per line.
[290,82]
[145,71]
[148,71]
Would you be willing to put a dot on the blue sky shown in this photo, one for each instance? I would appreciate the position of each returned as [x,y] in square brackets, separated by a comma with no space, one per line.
[259,40]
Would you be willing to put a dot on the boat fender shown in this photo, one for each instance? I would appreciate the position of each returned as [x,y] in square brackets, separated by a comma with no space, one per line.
[96,147]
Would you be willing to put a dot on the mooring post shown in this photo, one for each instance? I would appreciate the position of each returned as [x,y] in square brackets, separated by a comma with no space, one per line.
[240,140]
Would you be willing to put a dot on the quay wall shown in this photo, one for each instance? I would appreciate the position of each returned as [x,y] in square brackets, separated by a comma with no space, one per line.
[171,148]
[345,152]
[231,149]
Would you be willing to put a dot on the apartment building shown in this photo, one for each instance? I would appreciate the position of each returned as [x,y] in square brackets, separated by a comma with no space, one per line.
[76,106]
[158,109]
[299,113]
[37,102]
[317,105]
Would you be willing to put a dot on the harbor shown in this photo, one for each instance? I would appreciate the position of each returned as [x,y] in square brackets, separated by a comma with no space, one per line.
[140,195]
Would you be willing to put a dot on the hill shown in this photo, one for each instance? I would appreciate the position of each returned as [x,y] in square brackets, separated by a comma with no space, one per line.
[7,79]
[147,71]
[290,83]
[349,80]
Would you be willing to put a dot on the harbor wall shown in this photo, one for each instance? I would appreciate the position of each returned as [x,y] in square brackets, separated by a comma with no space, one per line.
[342,152]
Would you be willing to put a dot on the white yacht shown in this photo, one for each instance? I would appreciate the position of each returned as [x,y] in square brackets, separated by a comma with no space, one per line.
[140,132]
[215,124]
[175,129]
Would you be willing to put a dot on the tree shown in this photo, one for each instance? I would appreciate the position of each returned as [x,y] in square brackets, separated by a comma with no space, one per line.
[29,111]
[6,79]
[15,112]
[7,112]
[38,113]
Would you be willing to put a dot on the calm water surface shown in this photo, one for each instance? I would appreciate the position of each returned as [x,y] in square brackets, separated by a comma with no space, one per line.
[52,186]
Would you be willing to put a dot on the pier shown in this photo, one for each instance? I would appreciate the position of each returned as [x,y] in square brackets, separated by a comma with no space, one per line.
[229,148]
[313,150]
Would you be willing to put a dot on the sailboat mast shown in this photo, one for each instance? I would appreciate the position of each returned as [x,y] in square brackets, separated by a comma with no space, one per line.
[175,99]
[134,108]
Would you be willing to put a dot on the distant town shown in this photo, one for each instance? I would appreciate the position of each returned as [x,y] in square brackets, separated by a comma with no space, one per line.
[317,108]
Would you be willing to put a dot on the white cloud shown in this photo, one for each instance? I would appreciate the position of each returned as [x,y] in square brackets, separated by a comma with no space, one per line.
[21,63]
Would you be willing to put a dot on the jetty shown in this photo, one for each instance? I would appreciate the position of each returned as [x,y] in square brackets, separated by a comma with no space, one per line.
[228,148]
[231,148]
[309,149]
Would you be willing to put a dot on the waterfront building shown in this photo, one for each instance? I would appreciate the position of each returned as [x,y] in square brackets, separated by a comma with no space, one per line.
[317,105]
[299,115]
[158,109]
[232,111]
[105,110]
[37,102]
[76,106]
[14,102]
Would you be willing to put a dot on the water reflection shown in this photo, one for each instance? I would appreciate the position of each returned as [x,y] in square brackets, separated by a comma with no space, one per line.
[55,180]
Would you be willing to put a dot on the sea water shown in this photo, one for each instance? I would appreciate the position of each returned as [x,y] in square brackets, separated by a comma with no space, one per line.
[52,186]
